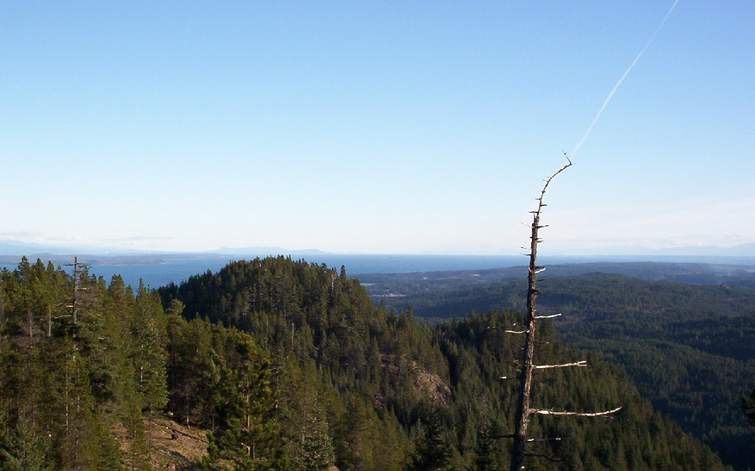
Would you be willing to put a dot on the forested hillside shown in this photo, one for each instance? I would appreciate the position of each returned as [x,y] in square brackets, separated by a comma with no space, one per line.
[408,374]
[688,348]
[92,393]
[287,365]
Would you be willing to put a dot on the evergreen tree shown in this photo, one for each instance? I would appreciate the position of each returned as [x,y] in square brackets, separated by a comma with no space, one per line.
[25,449]
[432,451]
[486,451]
[315,447]
[148,350]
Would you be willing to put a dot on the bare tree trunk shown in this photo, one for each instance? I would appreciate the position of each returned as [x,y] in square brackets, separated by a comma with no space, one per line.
[524,411]
[30,320]
[528,354]
[525,378]
[67,411]
[49,320]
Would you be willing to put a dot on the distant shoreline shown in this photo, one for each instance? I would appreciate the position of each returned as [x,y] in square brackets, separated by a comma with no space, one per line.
[159,270]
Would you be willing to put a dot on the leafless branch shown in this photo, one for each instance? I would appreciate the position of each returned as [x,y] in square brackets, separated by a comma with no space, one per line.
[548,317]
[548,181]
[528,354]
[562,365]
[578,414]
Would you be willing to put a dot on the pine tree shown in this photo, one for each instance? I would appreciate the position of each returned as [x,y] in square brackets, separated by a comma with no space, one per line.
[432,452]
[245,432]
[25,449]
[148,352]
[486,451]
[315,448]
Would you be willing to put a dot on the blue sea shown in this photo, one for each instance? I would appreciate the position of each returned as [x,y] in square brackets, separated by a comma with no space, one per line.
[159,271]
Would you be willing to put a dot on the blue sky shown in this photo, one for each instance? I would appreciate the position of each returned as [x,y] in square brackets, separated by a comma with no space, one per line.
[401,127]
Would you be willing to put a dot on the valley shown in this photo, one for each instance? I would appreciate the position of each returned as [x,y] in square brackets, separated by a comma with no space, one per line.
[682,332]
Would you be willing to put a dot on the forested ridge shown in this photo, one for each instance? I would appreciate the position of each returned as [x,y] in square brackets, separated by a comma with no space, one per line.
[288,365]
[688,348]
[338,328]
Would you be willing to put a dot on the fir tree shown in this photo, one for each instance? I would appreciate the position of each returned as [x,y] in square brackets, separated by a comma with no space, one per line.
[148,351]
[432,452]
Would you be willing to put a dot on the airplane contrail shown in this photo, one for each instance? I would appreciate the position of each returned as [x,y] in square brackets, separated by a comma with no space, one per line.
[615,88]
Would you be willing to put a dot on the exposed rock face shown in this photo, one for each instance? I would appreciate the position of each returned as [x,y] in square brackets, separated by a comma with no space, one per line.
[430,385]
[172,446]
[426,384]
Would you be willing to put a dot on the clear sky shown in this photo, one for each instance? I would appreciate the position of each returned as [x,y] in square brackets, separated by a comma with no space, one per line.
[401,127]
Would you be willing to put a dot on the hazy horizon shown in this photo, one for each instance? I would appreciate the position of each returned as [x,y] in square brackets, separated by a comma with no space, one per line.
[10,247]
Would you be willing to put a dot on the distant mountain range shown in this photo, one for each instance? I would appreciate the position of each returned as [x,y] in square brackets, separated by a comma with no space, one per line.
[12,250]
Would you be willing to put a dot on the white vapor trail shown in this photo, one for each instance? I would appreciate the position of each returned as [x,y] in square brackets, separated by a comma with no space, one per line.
[615,88]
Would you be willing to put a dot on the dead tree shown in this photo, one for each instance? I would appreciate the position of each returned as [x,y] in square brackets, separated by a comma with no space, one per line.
[528,366]
[78,271]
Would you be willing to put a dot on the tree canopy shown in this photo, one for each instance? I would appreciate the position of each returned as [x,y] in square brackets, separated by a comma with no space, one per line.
[289,365]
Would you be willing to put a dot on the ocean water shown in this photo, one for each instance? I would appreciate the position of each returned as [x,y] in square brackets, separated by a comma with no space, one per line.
[159,274]
[161,271]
